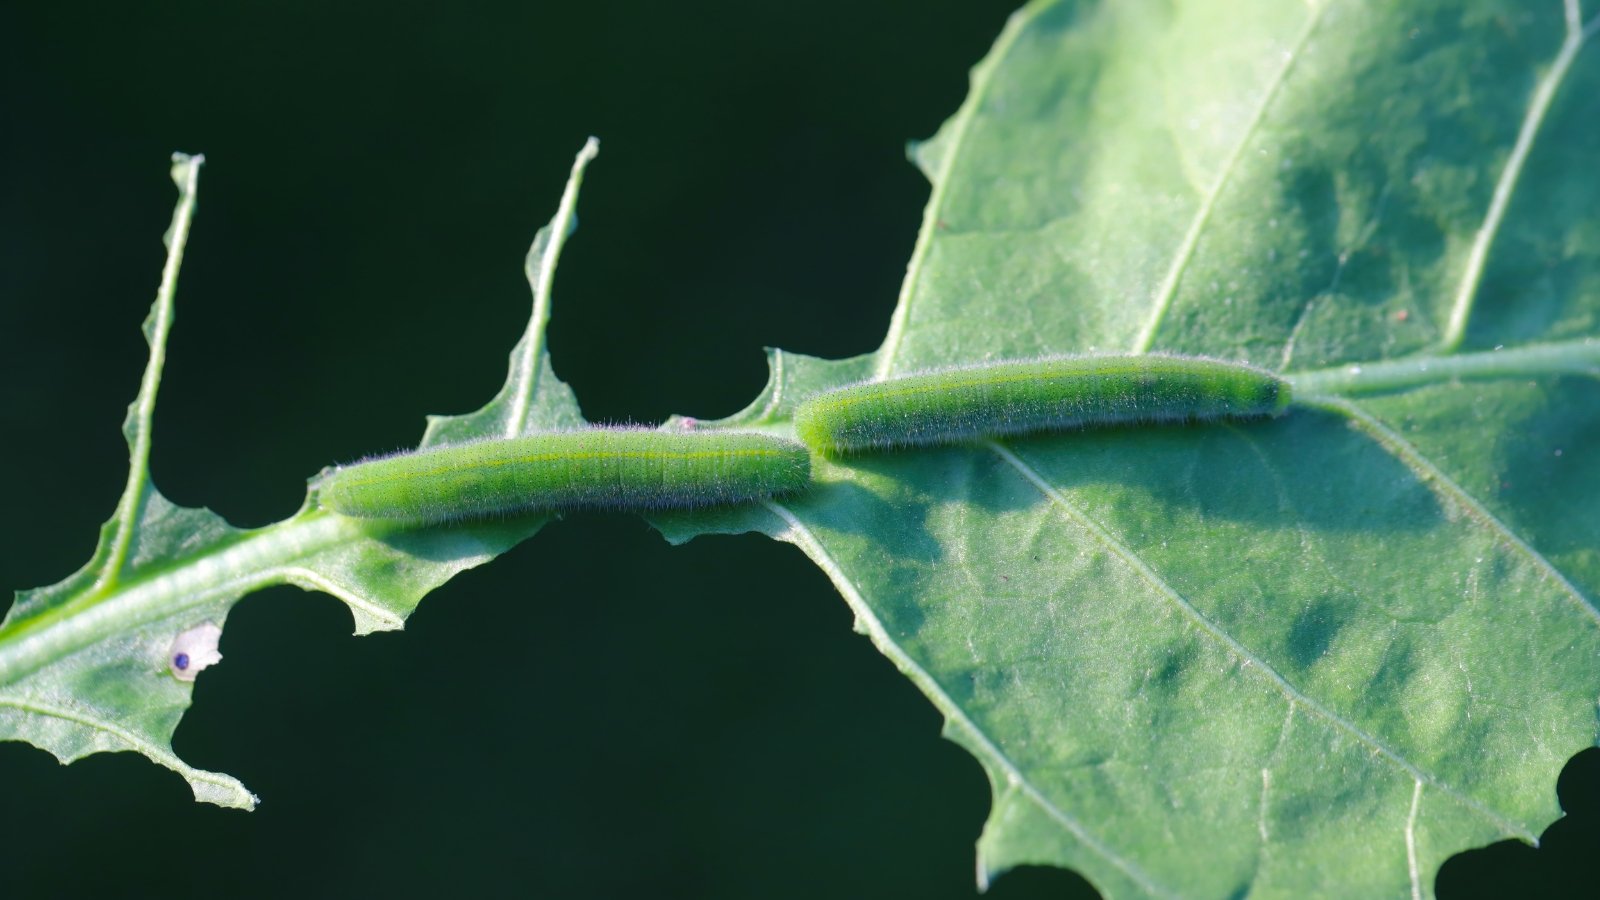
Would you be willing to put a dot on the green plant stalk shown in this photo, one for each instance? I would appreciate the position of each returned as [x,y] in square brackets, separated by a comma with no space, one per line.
[1580,357]
[268,555]
[265,557]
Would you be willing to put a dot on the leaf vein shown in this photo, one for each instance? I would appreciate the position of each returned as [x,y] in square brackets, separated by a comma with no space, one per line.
[962,121]
[541,276]
[798,533]
[301,576]
[1208,202]
[1506,185]
[1250,660]
[1411,841]
[147,748]
[136,428]
[1451,492]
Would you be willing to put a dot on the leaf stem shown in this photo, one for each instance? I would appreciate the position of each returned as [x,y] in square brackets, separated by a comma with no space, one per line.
[136,427]
[1579,357]
[540,268]
[266,556]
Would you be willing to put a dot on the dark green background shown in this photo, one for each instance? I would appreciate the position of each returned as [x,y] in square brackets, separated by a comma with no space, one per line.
[594,714]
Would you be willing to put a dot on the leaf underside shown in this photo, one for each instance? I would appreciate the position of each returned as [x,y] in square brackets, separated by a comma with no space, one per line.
[1311,655]
[84,664]
[1315,655]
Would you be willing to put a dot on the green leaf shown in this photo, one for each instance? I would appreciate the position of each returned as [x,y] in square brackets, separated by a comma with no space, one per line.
[1309,656]
[1314,655]
[86,664]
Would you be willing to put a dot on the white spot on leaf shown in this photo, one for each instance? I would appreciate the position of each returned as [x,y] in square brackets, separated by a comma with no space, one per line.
[194,650]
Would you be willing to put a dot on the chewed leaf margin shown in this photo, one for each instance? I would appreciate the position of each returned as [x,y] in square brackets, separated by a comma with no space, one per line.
[91,664]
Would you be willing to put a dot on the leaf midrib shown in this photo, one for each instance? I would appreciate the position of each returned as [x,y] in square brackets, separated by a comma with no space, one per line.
[242,564]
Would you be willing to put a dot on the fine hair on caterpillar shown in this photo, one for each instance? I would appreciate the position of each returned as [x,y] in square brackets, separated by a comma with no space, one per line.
[641,469]
[598,468]
[1016,397]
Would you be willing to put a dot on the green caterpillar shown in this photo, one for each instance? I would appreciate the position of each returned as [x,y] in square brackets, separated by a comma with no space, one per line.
[606,468]
[639,469]
[1027,396]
